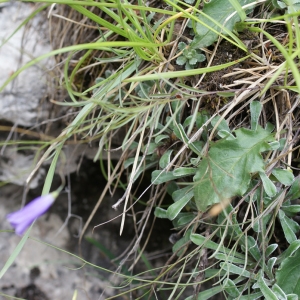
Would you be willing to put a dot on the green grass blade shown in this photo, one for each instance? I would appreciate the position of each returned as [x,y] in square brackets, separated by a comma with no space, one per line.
[16,252]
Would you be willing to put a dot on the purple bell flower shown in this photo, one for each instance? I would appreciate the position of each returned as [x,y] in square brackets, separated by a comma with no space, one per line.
[24,217]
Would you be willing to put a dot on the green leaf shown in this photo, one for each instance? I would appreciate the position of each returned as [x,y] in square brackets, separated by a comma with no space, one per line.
[292,297]
[233,269]
[269,186]
[250,245]
[230,288]
[187,121]
[278,4]
[222,125]
[292,209]
[288,275]
[180,133]
[253,296]
[282,143]
[172,187]
[292,5]
[182,46]
[184,171]
[186,218]
[165,159]
[271,262]
[267,292]
[219,12]
[200,57]
[151,149]
[200,240]
[159,176]
[294,246]
[143,89]
[160,213]
[294,192]
[160,137]
[255,110]
[257,225]
[226,171]
[284,176]
[289,226]
[192,61]
[274,145]
[225,94]
[202,118]
[226,134]
[208,294]
[230,258]
[188,66]
[179,193]
[189,53]
[181,60]
[270,249]
[183,241]
[174,209]
[280,294]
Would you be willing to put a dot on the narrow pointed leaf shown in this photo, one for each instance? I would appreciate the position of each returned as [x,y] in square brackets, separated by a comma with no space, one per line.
[255,110]
[184,171]
[269,186]
[270,249]
[289,227]
[294,246]
[174,209]
[267,292]
[279,292]
[159,176]
[231,288]
[233,269]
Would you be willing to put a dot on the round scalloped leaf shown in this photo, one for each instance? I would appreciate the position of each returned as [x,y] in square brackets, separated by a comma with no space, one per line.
[192,61]
[181,46]
[181,60]
[188,66]
[200,57]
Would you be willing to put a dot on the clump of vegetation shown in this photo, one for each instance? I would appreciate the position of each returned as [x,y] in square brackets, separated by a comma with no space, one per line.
[224,175]
[190,57]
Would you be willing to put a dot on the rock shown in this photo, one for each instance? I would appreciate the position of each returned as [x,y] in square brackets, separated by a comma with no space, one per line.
[15,167]
[20,100]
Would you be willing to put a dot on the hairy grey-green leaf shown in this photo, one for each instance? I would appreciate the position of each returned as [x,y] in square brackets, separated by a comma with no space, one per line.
[267,292]
[181,60]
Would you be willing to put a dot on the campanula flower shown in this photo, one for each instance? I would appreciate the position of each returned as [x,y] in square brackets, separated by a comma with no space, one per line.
[24,217]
